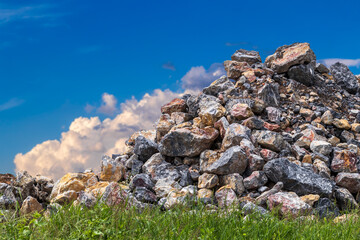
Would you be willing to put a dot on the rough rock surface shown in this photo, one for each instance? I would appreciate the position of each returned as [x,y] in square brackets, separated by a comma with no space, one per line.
[284,132]
[298,179]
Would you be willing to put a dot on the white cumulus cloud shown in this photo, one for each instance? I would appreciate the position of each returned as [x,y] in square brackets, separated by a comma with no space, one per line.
[108,105]
[87,139]
[199,77]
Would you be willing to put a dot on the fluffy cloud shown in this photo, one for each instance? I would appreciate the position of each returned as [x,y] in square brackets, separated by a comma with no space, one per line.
[349,62]
[109,103]
[14,102]
[88,139]
[198,77]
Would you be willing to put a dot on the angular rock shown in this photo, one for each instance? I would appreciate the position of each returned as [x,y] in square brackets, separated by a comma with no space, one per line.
[297,179]
[226,197]
[261,200]
[144,148]
[290,55]
[143,194]
[235,69]
[324,208]
[86,199]
[180,197]
[232,160]
[210,112]
[321,68]
[269,94]
[222,125]
[290,204]
[350,181]
[163,126]
[344,161]
[255,180]
[218,86]
[302,73]
[327,118]
[205,195]
[176,105]
[243,55]
[250,208]
[321,147]
[141,180]
[241,111]
[235,181]
[310,199]
[234,134]
[158,168]
[207,180]
[271,140]
[321,168]
[345,199]
[341,124]
[111,170]
[253,123]
[164,186]
[344,77]
[187,142]
[256,163]
[7,178]
[273,114]
[30,205]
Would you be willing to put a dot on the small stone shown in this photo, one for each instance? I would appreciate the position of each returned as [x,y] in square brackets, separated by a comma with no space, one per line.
[346,218]
[344,161]
[307,159]
[176,105]
[30,205]
[271,140]
[143,194]
[255,180]
[164,186]
[321,68]
[210,112]
[334,141]
[158,168]
[355,127]
[241,111]
[274,114]
[268,155]
[207,180]
[269,94]
[226,197]
[250,208]
[220,85]
[250,57]
[321,147]
[341,124]
[307,114]
[310,199]
[253,123]
[289,203]
[163,126]
[346,136]
[256,163]
[327,118]
[205,195]
[222,125]
[141,180]
[180,197]
[180,117]
[235,181]
[321,168]
[86,199]
[350,181]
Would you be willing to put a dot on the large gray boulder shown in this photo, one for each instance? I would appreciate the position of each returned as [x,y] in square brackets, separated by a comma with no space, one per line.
[344,77]
[298,179]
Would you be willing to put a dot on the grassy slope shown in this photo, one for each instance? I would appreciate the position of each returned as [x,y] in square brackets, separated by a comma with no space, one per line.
[102,222]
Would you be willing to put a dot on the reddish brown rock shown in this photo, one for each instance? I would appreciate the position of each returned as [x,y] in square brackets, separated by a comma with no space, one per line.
[7,178]
[235,69]
[241,111]
[268,155]
[289,203]
[176,105]
[350,181]
[30,205]
[226,197]
[290,55]
[344,161]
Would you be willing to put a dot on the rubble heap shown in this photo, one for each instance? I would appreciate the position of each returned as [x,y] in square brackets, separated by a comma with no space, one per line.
[285,133]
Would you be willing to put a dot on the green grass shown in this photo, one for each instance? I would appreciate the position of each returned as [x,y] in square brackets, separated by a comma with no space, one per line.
[103,222]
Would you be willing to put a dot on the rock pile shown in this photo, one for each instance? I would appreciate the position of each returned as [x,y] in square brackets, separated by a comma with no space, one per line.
[280,134]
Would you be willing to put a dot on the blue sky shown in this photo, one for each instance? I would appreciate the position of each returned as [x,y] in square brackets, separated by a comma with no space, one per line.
[57,57]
